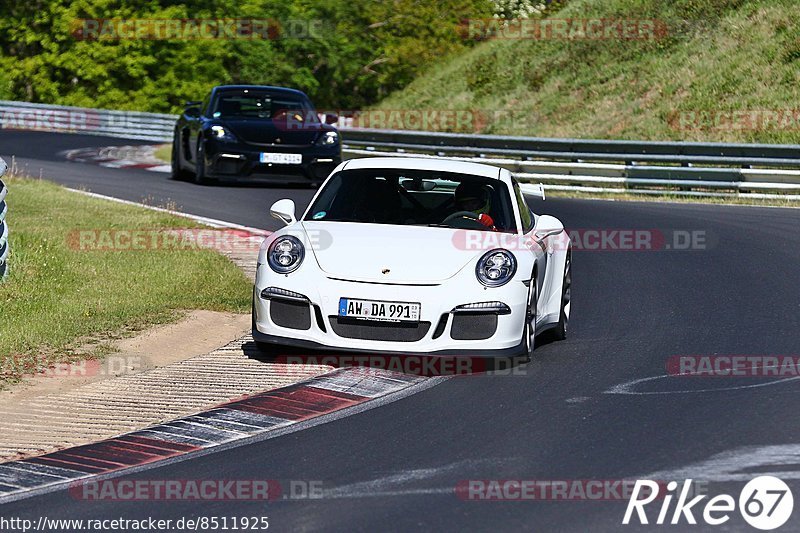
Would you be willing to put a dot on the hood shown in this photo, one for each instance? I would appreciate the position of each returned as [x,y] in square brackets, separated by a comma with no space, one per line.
[265,131]
[411,254]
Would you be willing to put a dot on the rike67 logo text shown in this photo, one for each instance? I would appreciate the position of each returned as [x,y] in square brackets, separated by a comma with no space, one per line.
[765,503]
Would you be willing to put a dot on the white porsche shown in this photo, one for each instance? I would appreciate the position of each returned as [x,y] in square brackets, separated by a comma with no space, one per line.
[413,256]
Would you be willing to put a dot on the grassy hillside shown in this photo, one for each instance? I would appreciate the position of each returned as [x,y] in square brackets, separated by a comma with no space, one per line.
[713,57]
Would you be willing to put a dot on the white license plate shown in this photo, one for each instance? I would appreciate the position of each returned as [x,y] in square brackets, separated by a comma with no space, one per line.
[282,159]
[379,310]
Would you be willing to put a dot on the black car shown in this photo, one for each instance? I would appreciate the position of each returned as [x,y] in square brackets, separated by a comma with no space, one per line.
[255,131]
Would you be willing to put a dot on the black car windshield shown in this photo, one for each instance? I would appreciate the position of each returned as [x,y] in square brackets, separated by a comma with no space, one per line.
[415,198]
[263,105]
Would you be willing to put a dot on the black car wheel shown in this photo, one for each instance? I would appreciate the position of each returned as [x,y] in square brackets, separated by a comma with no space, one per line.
[200,165]
[529,331]
[560,332]
[176,173]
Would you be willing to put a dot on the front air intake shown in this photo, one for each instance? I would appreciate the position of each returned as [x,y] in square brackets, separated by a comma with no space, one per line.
[290,314]
[473,327]
[373,330]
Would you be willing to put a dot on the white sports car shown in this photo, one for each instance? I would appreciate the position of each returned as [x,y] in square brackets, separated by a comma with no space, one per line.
[413,256]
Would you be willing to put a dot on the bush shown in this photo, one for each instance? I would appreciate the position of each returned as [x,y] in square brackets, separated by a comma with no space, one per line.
[357,50]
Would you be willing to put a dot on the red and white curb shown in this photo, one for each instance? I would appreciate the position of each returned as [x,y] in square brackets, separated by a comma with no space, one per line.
[227,424]
[142,156]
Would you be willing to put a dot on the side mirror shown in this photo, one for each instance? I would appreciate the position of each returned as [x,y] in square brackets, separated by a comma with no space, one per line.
[192,108]
[547,226]
[331,118]
[283,210]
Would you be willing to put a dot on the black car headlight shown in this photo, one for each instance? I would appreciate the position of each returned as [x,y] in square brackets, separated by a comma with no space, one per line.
[496,268]
[222,134]
[329,138]
[285,254]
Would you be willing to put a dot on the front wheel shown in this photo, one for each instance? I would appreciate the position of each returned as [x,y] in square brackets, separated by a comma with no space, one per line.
[176,172]
[530,319]
[560,331]
[200,165]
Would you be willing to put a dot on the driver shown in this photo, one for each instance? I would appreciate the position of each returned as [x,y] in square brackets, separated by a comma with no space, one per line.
[475,198]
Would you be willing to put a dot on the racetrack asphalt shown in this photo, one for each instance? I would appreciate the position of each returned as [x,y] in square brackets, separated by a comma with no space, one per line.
[567,415]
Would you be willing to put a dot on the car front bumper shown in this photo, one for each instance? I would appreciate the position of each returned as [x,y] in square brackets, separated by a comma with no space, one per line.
[234,159]
[309,319]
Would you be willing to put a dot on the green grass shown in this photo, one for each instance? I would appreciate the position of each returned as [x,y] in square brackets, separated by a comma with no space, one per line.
[164,152]
[729,55]
[58,297]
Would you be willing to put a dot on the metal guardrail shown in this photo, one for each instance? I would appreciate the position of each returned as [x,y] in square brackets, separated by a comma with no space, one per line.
[681,168]
[4,244]
[124,124]
[583,149]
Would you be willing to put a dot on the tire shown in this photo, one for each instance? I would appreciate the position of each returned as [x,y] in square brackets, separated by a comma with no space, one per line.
[176,172]
[200,165]
[529,331]
[560,331]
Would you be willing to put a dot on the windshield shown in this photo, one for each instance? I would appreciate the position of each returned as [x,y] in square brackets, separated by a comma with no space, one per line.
[263,105]
[415,198]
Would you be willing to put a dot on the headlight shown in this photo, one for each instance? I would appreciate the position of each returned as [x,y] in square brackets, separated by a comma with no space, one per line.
[496,268]
[329,138]
[222,134]
[285,254]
